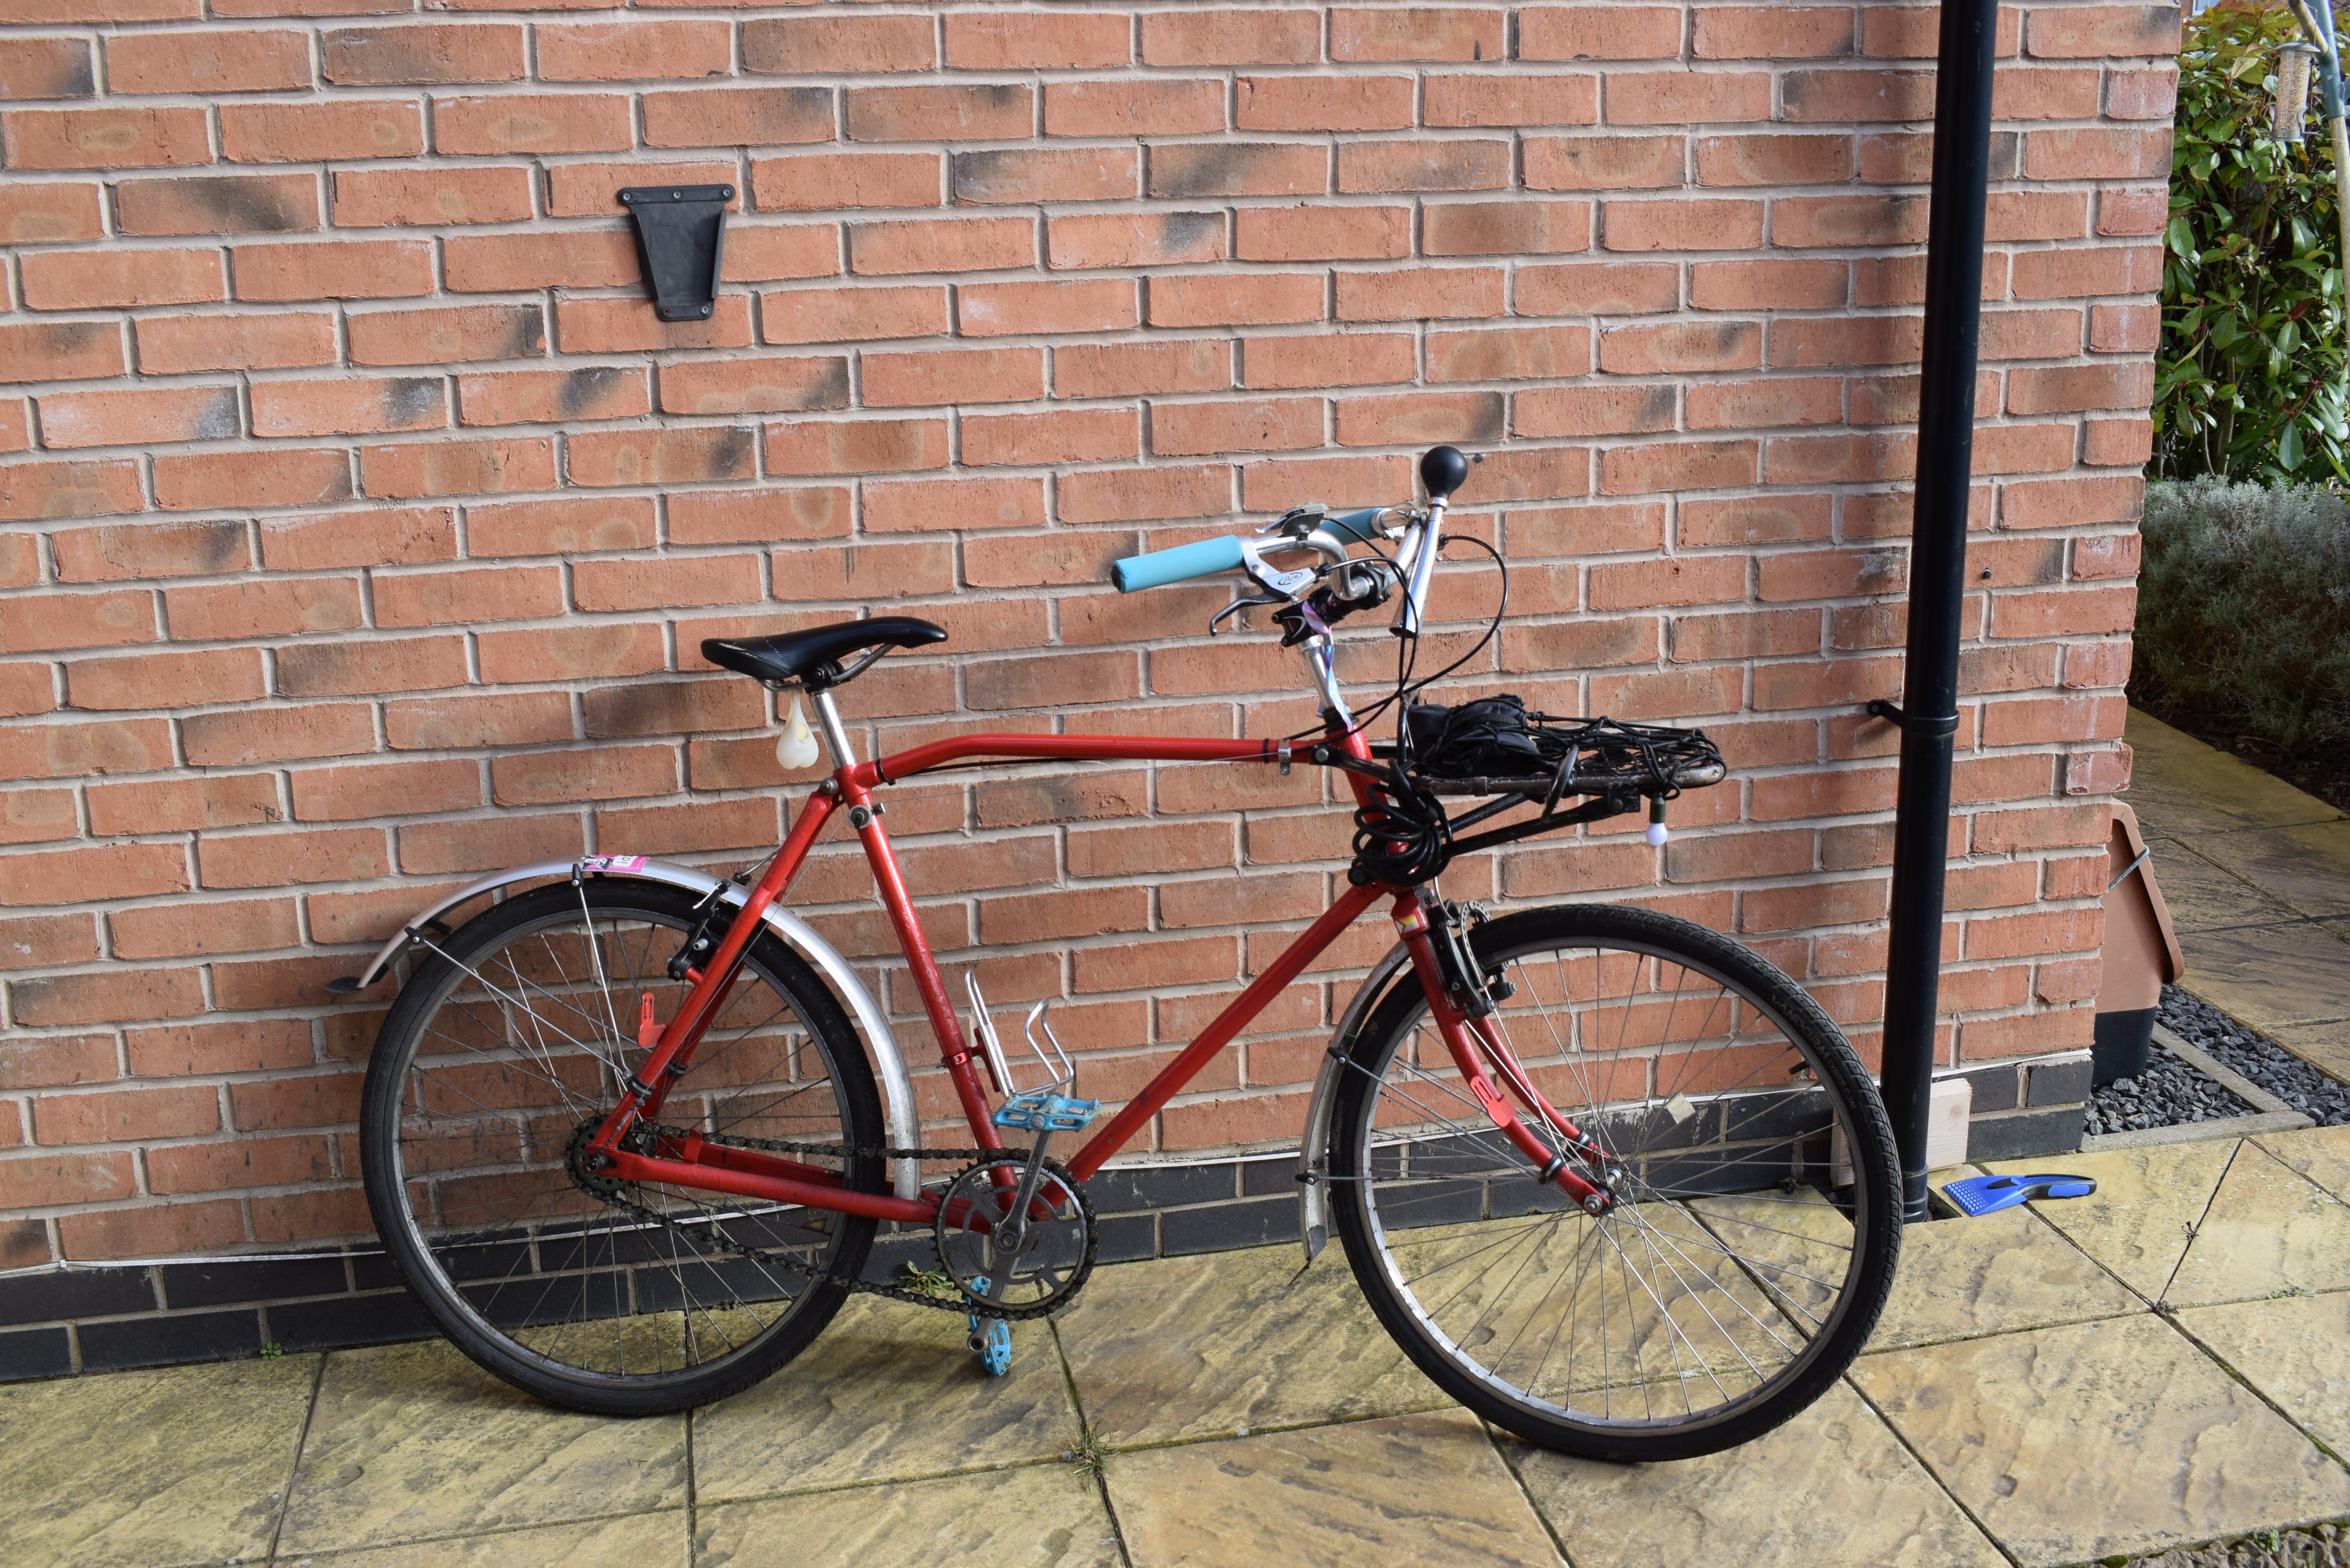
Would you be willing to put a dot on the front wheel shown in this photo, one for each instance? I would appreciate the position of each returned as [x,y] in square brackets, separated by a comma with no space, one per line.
[1757,1206]
[506,1051]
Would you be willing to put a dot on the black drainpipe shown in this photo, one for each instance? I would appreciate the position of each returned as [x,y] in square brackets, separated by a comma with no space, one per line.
[1929,712]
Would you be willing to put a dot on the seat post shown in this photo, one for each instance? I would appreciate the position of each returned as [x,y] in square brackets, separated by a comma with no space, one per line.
[827,719]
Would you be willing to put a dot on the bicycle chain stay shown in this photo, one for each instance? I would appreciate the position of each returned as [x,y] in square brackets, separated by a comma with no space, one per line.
[963,1303]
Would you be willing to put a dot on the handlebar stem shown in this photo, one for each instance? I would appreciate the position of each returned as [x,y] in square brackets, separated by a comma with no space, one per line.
[1423,563]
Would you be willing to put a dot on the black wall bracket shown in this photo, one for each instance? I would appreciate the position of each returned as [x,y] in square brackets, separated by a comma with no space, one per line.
[681,234]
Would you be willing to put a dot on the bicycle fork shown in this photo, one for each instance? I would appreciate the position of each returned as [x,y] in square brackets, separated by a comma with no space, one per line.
[1460,1001]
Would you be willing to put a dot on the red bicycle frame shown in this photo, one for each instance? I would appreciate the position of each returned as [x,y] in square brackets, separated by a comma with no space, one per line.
[690,1163]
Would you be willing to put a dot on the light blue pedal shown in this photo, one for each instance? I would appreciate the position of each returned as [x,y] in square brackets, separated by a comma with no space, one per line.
[991,1339]
[1042,1110]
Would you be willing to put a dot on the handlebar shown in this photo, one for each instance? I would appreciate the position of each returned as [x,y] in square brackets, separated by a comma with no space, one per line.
[1442,471]
[1161,567]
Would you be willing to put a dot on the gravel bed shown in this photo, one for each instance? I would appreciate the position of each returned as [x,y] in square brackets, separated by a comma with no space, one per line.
[2322,1099]
[2168,1094]
[2324,1547]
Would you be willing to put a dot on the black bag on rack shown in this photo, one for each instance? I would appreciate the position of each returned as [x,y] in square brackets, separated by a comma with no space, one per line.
[1489,738]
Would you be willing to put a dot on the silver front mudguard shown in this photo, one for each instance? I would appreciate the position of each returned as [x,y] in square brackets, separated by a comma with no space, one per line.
[1314,1150]
[897,1087]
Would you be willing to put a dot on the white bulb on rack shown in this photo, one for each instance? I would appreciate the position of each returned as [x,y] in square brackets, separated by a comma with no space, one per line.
[1656,833]
[796,749]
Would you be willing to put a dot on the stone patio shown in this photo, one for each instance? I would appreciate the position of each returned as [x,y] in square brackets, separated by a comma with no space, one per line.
[2167,1362]
[2163,1363]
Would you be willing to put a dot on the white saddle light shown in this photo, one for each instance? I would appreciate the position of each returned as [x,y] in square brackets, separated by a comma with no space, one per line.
[796,749]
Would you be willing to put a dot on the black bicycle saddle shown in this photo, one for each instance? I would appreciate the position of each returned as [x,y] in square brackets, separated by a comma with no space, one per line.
[814,656]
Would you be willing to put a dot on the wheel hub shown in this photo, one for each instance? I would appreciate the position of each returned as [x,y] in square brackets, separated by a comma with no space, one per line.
[579,1163]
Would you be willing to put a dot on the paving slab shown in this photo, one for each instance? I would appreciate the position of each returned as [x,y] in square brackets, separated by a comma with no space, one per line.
[2139,1221]
[2082,1441]
[1198,1346]
[2180,785]
[889,1392]
[2307,868]
[2320,1154]
[639,1541]
[1832,1488]
[149,1469]
[2203,896]
[2324,1046]
[1426,1490]
[413,1441]
[2294,1349]
[2268,976]
[1028,1516]
[2269,1229]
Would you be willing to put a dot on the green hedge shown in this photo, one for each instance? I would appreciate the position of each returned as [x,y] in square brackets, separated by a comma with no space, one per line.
[2244,607]
[2249,382]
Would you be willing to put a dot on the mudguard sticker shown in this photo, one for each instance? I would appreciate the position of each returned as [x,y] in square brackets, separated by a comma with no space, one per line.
[613,863]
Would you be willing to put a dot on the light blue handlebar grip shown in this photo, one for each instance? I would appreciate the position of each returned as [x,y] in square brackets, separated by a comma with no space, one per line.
[1360,526]
[1163,566]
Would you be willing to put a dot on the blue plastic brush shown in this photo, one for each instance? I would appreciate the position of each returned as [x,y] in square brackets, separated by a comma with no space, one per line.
[1980,1195]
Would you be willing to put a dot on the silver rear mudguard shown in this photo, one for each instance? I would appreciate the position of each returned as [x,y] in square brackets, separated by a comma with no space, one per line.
[1314,1150]
[897,1087]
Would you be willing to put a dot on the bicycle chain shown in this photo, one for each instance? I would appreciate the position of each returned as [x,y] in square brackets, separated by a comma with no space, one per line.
[968,1305]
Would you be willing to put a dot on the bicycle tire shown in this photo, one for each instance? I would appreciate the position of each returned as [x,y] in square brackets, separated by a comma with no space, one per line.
[1434,1210]
[467,1168]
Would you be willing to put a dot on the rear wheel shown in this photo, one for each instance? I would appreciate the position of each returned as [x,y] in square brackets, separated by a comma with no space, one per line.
[1757,1214]
[500,1058]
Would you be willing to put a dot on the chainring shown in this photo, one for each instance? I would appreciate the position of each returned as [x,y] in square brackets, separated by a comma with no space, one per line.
[1054,1253]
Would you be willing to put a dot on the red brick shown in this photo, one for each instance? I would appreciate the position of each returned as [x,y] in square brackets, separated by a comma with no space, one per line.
[954,504]
[1696,465]
[1418,418]
[631,51]
[1323,103]
[117,136]
[834,46]
[1133,107]
[35,69]
[422,55]
[1185,171]
[728,516]
[1027,41]
[1321,233]
[249,60]
[1680,226]
[430,197]
[457,467]
[221,204]
[141,416]
[1137,494]
[2118,442]
[489,263]
[280,477]
[2096,32]
[1268,36]
[1449,164]
[443,723]
[362,669]
[50,210]
[182,678]
[603,773]
[439,335]
[1518,99]
[2034,391]
[1752,33]
[1589,32]
[2097,153]
[87,489]
[231,800]
[1421,293]
[60,350]
[333,269]
[952,376]
[2132,212]
[959,111]
[306,132]
[538,123]
[257,340]
[988,310]
[1072,435]
[72,1178]
[1365,358]
[1603,163]
[740,117]
[146,1233]
[1864,96]
[86,280]
[184,929]
[389,536]
[940,244]
[1505,228]
[1134,239]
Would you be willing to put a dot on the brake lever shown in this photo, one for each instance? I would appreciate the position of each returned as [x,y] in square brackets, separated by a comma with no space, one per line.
[1237,606]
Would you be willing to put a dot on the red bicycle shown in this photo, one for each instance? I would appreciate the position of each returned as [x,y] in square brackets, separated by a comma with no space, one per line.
[1611,1179]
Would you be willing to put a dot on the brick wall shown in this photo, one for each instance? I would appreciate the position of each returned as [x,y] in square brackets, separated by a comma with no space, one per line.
[361,521]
